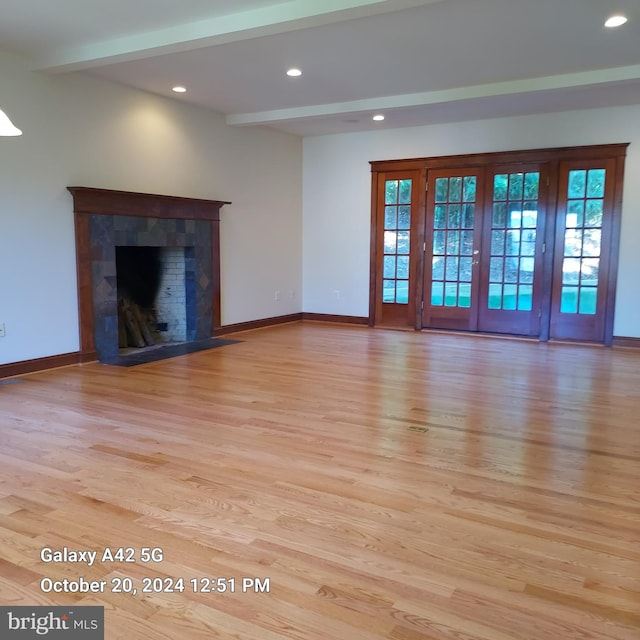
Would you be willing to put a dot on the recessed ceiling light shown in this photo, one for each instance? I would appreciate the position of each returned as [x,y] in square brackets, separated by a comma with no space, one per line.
[179,89]
[294,73]
[378,117]
[615,21]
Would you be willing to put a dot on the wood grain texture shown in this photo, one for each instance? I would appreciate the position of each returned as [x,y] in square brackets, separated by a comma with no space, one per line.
[391,485]
[553,165]
[330,317]
[503,157]
[629,343]
[257,324]
[89,200]
[23,367]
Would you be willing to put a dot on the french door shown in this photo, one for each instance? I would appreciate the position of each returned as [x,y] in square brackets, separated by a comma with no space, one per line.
[520,243]
[485,237]
[583,259]
[397,238]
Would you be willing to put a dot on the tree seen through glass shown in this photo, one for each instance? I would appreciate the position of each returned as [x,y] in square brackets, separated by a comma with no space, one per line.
[397,241]
[582,241]
[453,223]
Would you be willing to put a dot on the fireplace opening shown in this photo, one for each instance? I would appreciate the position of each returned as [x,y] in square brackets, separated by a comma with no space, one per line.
[138,272]
[152,296]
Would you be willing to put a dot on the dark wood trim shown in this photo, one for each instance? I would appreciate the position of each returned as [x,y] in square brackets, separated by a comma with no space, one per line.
[591,152]
[88,356]
[442,316]
[616,224]
[85,284]
[89,201]
[576,326]
[551,159]
[628,343]
[327,317]
[257,324]
[293,317]
[23,367]
[419,232]
[144,205]
[394,314]
[216,285]
[550,241]
[373,251]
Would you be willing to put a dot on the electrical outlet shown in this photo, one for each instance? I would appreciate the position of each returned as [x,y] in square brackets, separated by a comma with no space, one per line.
[2,333]
[336,294]
[292,294]
[276,295]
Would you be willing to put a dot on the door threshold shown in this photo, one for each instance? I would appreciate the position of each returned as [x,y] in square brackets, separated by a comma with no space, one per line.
[394,327]
[480,334]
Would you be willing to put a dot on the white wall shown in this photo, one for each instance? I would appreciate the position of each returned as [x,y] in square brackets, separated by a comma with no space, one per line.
[81,131]
[337,195]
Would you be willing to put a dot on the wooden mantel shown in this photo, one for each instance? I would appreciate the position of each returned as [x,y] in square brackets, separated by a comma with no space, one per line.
[145,205]
[88,201]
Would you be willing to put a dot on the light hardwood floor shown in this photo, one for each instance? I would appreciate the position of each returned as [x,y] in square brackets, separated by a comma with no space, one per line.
[389,485]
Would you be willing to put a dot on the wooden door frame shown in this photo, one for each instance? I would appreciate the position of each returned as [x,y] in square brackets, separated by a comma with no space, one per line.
[551,156]
[416,254]
[558,322]
[543,258]
[472,313]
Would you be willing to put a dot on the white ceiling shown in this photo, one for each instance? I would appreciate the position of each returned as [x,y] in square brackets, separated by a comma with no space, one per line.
[417,61]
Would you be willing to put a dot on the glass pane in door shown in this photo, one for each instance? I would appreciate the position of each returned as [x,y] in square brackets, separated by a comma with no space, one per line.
[453,224]
[582,241]
[397,241]
[513,241]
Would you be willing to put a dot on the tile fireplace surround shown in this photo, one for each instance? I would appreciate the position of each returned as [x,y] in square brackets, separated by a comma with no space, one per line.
[105,219]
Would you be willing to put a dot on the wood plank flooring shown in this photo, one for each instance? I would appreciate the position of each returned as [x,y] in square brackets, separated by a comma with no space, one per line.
[382,484]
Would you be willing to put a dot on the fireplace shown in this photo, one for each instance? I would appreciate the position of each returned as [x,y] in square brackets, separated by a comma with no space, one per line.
[160,283]
[184,231]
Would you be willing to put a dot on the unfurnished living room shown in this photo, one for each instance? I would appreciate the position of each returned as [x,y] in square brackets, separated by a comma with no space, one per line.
[320,319]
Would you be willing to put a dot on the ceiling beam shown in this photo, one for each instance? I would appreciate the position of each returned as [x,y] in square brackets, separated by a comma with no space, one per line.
[286,16]
[387,103]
